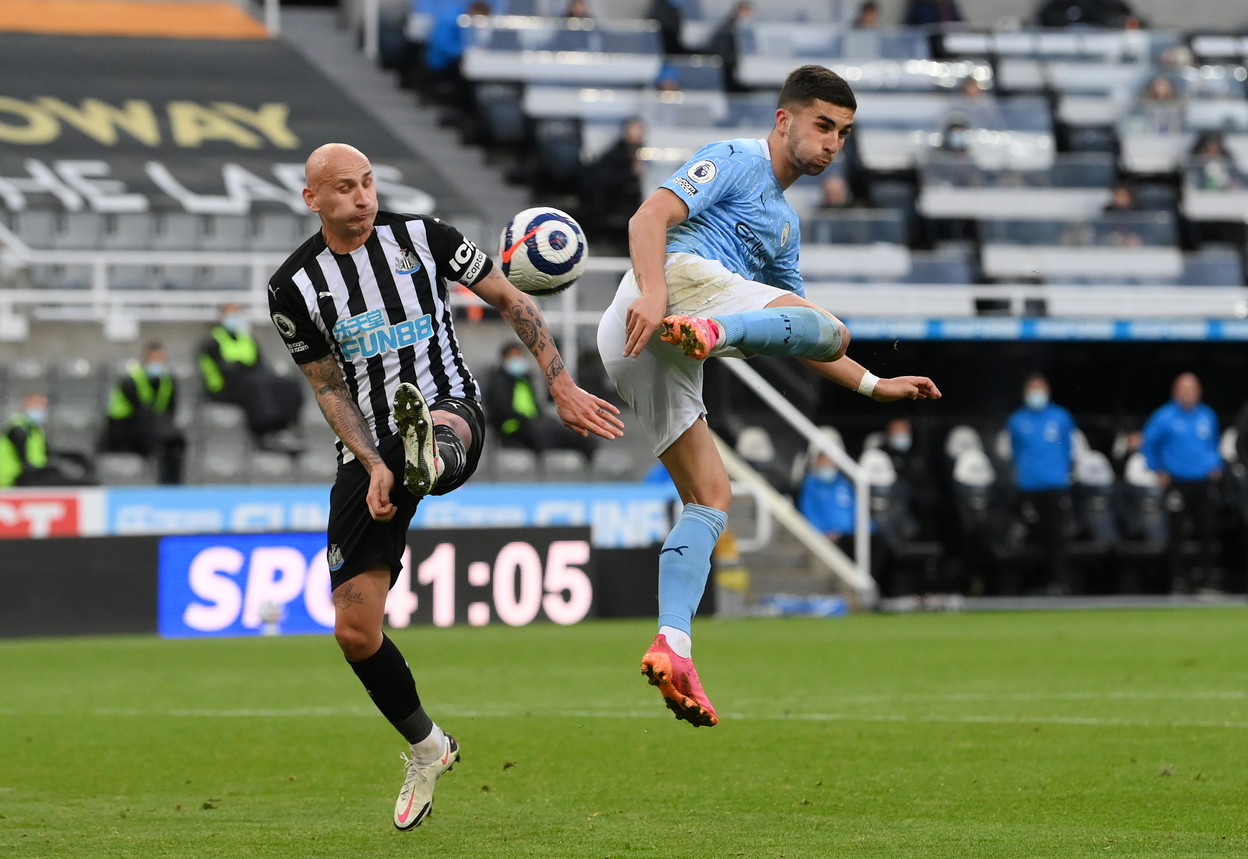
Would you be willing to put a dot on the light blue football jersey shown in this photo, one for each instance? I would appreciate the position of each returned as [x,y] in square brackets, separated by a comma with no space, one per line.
[737,213]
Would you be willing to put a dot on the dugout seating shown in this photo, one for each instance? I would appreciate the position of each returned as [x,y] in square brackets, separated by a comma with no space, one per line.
[1144,527]
[902,564]
[1096,534]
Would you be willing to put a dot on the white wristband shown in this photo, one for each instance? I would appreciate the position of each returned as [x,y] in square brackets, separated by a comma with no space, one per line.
[866,387]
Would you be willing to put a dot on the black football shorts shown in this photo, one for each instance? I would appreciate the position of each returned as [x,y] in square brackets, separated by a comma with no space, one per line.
[357,541]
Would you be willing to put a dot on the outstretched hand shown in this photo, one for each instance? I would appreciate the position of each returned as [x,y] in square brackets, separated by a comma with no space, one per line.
[583,413]
[905,388]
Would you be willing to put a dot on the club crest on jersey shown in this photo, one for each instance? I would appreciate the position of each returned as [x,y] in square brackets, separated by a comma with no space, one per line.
[333,556]
[406,262]
[784,236]
[702,172]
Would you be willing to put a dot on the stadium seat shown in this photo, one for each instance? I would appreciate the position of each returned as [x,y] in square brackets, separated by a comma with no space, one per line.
[74,426]
[128,231]
[1145,527]
[217,465]
[903,564]
[27,374]
[514,465]
[277,231]
[35,227]
[563,466]
[755,446]
[124,469]
[225,233]
[610,465]
[1093,551]
[266,466]
[55,276]
[500,118]
[557,155]
[316,466]
[218,419]
[962,437]
[178,231]
[78,231]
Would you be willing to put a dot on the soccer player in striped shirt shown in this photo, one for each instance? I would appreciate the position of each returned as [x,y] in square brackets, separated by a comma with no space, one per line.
[364,308]
[715,273]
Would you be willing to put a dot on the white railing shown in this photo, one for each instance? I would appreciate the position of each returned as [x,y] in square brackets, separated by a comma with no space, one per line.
[856,574]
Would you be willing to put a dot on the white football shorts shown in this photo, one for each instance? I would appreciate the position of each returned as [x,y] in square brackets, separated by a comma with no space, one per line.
[662,385]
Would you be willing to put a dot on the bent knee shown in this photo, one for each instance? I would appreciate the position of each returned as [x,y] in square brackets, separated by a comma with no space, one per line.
[356,643]
[843,345]
[834,339]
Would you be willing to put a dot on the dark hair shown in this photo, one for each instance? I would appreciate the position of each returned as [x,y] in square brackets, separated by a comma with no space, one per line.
[810,83]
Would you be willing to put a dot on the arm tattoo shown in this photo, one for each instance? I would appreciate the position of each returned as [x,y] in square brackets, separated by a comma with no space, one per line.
[340,410]
[526,320]
[555,369]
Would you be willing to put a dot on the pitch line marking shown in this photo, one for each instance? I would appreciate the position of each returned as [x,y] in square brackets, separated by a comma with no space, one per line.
[653,713]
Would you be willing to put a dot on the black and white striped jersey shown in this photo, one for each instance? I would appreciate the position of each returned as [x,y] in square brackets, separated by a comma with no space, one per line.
[383,311]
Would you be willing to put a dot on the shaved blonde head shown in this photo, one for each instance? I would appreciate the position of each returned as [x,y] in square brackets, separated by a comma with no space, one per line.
[330,158]
[342,190]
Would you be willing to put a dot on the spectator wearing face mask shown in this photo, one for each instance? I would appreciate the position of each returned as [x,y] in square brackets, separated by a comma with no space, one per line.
[25,457]
[1042,441]
[24,445]
[917,488]
[233,371]
[826,499]
[514,411]
[141,410]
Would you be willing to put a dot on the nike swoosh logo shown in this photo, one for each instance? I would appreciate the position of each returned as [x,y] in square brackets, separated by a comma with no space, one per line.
[324,295]
[407,812]
[680,550]
[507,254]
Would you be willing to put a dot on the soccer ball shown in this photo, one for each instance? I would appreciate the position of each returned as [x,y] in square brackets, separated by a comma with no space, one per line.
[543,251]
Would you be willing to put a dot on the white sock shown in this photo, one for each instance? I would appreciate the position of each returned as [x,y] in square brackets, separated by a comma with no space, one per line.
[430,748]
[678,640]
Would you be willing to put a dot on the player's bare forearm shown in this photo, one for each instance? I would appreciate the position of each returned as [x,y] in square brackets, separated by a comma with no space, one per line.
[340,410]
[848,373]
[581,411]
[525,318]
[845,371]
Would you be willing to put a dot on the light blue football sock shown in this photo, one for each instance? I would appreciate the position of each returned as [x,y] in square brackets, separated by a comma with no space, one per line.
[799,332]
[685,563]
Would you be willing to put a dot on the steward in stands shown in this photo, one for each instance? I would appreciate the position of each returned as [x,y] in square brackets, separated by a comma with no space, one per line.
[141,411]
[233,371]
[24,456]
[512,408]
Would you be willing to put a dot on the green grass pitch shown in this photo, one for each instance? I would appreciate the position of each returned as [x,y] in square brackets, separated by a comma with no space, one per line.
[1056,734]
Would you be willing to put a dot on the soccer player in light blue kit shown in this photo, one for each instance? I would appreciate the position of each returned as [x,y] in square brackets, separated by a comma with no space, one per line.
[715,273]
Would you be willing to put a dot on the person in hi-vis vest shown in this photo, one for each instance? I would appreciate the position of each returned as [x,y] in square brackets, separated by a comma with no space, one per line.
[26,458]
[233,371]
[141,410]
[513,410]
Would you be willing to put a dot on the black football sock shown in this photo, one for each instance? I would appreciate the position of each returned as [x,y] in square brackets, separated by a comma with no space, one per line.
[389,682]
